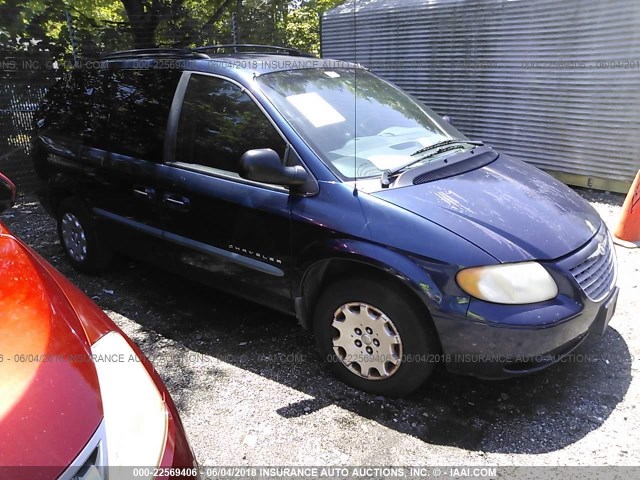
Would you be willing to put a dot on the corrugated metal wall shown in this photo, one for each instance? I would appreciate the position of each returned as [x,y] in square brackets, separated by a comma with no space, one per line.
[555,83]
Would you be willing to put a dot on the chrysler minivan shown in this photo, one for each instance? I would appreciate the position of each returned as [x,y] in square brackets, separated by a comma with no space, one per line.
[319,189]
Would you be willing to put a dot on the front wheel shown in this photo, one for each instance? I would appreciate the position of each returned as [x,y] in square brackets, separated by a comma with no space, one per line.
[375,336]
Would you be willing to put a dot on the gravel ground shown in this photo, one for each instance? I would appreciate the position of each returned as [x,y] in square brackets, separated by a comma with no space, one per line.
[252,391]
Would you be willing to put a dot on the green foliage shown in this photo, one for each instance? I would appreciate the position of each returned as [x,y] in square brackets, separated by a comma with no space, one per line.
[303,24]
[39,27]
[32,29]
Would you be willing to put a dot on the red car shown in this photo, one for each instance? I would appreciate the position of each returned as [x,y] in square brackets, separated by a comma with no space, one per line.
[76,395]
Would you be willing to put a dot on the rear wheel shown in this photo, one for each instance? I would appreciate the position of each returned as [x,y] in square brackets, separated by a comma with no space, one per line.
[375,336]
[79,238]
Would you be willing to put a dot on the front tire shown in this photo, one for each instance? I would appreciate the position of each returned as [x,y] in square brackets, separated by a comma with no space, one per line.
[375,336]
[79,238]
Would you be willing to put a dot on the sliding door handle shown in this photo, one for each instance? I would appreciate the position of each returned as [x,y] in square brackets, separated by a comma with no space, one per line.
[147,193]
[176,202]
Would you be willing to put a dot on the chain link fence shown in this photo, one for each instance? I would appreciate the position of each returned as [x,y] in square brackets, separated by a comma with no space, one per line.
[22,87]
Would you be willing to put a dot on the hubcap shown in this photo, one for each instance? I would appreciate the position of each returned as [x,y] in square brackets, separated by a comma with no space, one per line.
[73,237]
[366,341]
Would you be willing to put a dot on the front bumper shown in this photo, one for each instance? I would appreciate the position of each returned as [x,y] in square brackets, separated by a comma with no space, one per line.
[501,341]
[177,459]
[498,351]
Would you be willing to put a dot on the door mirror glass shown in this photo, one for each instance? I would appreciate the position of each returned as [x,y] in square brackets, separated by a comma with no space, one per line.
[264,165]
[7,193]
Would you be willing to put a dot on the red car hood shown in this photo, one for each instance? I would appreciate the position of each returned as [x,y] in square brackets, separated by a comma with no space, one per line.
[49,404]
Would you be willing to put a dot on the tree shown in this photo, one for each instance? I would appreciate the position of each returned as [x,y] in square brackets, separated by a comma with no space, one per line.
[180,21]
[144,17]
[107,25]
[303,23]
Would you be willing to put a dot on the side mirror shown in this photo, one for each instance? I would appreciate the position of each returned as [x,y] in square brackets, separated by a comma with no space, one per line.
[7,193]
[447,119]
[264,165]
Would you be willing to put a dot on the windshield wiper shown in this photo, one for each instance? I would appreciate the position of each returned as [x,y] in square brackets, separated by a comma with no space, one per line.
[453,141]
[440,147]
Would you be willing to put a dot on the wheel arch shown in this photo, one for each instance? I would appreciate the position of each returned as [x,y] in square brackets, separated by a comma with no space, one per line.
[356,258]
[60,187]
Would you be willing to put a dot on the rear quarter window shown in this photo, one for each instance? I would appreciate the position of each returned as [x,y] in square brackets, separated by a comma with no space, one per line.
[67,105]
[140,104]
[119,111]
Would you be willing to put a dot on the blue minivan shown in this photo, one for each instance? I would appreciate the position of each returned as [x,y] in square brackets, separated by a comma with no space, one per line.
[319,189]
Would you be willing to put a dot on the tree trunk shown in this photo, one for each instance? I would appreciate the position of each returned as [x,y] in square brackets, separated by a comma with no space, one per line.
[143,23]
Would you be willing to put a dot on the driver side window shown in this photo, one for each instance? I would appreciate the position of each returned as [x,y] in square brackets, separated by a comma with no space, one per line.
[219,123]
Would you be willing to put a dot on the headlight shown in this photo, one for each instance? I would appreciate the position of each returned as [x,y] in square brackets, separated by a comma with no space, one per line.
[512,283]
[135,414]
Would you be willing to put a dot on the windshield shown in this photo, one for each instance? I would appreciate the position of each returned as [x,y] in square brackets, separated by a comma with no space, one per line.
[357,123]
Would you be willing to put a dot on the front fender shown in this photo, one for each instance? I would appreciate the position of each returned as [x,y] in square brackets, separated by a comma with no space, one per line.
[431,282]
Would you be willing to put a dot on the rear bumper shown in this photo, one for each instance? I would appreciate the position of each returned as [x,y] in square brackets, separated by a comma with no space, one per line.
[496,351]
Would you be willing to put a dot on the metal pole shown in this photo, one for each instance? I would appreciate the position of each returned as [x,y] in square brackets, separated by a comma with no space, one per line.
[235,28]
[72,38]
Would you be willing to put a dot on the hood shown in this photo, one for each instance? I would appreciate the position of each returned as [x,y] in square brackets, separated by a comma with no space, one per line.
[49,405]
[511,210]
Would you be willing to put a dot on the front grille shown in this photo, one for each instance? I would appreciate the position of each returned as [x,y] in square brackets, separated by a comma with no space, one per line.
[597,273]
[90,470]
[91,462]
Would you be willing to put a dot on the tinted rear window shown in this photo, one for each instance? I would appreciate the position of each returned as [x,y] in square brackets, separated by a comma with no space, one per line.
[131,109]
[67,105]
[120,111]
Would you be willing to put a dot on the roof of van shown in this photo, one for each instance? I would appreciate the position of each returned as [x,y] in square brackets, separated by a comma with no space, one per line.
[239,65]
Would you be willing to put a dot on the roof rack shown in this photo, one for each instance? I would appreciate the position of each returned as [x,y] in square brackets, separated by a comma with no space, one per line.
[201,52]
[254,48]
[146,52]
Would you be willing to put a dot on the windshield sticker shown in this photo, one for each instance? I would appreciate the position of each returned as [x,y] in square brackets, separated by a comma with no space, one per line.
[426,141]
[315,109]
[332,74]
